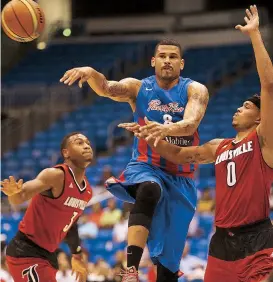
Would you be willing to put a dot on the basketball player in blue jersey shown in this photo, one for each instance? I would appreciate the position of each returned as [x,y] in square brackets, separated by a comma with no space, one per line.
[163,193]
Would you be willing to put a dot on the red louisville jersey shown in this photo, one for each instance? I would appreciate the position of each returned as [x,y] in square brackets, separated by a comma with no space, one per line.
[243,182]
[47,219]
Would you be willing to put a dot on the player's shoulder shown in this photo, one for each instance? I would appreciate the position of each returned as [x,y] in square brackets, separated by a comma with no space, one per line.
[197,86]
[148,80]
[219,144]
[52,174]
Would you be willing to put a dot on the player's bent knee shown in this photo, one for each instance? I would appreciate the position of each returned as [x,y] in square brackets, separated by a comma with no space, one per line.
[149,192]
[147,197]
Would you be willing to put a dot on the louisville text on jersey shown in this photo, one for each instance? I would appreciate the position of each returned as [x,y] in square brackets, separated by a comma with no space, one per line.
[75,203]
[230,154]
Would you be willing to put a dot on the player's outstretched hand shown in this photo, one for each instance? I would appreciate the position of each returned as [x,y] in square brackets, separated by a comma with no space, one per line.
[10,187]
[79,267]
[82,74]
[130,126]
[155,130]
[135,128]
[251,19]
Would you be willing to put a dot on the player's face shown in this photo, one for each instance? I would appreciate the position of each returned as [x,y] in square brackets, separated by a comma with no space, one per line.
[246,116]
[79,149]
[167,62]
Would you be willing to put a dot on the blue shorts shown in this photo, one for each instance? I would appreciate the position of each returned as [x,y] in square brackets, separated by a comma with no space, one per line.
[173,213]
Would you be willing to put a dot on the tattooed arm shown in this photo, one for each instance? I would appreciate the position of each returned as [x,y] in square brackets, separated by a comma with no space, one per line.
[198,98]
[204,154]
[122,91]
[178,155]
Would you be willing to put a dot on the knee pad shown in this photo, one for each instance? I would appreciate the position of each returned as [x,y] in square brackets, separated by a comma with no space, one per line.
[148,192]
[147,196]
[165,275]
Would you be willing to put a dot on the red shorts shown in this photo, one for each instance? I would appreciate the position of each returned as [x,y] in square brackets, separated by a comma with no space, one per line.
[254,268]
[241,254]
[31,270]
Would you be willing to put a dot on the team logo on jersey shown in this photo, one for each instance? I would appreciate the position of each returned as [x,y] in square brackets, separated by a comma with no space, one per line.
[155,105]
[31,273]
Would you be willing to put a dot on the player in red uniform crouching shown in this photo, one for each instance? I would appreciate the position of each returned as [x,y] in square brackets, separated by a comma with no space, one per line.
[59,196]
[241,250]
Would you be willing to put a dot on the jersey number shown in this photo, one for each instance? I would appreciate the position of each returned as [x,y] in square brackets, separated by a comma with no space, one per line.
[66,228]
[231,174]
[31,273]
[167,119]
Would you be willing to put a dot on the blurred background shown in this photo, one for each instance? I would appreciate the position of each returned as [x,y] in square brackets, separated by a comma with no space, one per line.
[118,39]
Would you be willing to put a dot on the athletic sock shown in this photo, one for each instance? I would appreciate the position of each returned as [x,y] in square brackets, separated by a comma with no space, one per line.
[134,254]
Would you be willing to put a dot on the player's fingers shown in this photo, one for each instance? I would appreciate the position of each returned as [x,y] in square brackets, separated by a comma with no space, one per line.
[81,276]
[4,190]
[246,20]
[155,130]
[74,77]
[253,9]
[249,13]
[4,182]
[83,79]
[66,75]
[69,77]
[124,124]
[20,184]
[139,135]
[128,125]
[154,134]
[149,126]
[239,27]
[11,179]
[156,141]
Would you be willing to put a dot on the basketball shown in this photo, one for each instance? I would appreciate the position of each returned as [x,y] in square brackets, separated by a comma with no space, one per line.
[23,20]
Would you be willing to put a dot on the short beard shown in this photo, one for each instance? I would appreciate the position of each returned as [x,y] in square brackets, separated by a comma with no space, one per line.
[167,79]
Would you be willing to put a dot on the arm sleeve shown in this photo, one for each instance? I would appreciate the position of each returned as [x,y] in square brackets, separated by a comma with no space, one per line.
[73,240]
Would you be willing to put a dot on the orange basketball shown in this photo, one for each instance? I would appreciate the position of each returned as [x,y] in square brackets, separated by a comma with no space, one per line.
[23,20]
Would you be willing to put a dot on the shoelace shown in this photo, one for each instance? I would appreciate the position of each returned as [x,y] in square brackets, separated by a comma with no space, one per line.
[127,274]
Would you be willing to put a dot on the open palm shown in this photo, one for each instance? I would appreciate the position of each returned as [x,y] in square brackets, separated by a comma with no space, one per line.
[251,19]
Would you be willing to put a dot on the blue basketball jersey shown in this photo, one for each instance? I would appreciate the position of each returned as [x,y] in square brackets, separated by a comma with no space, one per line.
[163,106]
